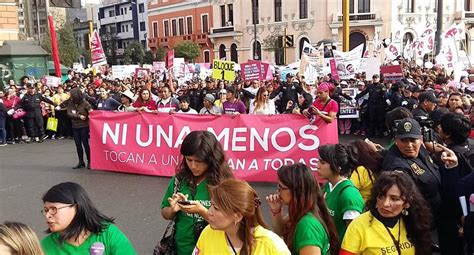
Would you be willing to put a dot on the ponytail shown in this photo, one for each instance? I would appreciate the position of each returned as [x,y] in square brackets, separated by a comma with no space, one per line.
[328,224]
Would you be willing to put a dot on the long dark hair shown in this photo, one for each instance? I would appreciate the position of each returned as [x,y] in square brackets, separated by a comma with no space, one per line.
[236,196]
[87,216]
[341,158]
[419,219]
[306,197]
[366,157]
[203,145]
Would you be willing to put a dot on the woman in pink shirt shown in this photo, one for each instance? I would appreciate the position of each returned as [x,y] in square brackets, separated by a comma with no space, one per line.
[324,109]
[13,126]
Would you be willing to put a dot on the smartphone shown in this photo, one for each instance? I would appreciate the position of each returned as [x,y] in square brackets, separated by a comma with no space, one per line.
[184,202]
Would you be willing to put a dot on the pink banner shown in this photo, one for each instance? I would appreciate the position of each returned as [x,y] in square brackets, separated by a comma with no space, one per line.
[332,65]
[256,146]
[251,71]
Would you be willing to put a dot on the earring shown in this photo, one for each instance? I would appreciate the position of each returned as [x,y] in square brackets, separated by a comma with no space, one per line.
[405,212]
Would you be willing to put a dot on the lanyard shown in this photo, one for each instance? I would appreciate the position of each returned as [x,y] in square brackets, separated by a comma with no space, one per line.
[231,246]
[396,242]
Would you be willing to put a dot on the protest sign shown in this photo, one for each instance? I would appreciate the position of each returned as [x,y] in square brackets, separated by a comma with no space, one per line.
[123,71]
[98,57]
[77,67]
[391,73]
[251,71]
[159,66]
[223,70]
[372,66]
[334,73]
[51,81]
[170,59]
[141,73]
[348,108]
[255,146]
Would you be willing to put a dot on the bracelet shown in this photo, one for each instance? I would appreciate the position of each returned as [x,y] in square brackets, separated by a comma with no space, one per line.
[275,213]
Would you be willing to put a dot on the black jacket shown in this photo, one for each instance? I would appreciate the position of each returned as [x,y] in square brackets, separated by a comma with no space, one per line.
[32,104]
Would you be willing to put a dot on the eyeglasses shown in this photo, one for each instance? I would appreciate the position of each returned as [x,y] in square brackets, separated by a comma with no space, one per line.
[280,187]
[53,210]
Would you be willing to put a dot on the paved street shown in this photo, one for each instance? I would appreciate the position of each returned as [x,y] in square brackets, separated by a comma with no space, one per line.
[27,171]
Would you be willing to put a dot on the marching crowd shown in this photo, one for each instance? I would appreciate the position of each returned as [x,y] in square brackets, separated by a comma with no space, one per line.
[413,197]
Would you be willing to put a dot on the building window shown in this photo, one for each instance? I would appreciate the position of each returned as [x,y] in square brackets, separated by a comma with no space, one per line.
[230,20]
[223,21]
[254,11]
[351,6]
[356,39]
[166,25]
[207,56]
[257,50]
[409,6]
[234,56]
[181,26]
[174,31]
[189,25]
[143,26]
[303,9]
[112,13]
[364,6]
[407,39]
[141,8]
[222,52]
[205,23]
[113,30]
[277,10]
[301,44]
[468,5]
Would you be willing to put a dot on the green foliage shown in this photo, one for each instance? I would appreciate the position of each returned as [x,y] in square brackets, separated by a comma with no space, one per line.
[109,44]
[187,50]
[159,55]
[134,53]
[68,51]
[86,54]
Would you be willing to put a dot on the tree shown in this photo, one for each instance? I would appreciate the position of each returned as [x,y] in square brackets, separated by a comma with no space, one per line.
[134,53]
[86,54]
[68,50]
[158,55]
[187,50]
[109,44]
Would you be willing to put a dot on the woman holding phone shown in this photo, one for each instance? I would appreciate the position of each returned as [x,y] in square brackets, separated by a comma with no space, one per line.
[203,164]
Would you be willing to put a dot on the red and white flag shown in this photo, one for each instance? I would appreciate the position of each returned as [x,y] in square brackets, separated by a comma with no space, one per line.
[97,52]
[170,59]
[392,51]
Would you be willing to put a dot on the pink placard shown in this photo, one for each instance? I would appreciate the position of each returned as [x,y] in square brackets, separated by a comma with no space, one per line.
[332,64]
[256,146]
[251,71]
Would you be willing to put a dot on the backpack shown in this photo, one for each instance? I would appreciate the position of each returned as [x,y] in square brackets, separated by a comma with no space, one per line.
[465,156]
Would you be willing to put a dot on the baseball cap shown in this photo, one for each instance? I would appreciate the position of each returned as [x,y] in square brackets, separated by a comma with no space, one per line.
[209,98]
[375,76]
[288,75]
[360,83]
[408,128]
[428,96]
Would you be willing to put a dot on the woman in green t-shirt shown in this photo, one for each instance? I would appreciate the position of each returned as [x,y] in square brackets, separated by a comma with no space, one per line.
[343,199]
[203,164]
[77,227]
[308,228]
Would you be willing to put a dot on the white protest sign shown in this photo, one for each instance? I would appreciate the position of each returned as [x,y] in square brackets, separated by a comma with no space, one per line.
[123,71]
[372,66]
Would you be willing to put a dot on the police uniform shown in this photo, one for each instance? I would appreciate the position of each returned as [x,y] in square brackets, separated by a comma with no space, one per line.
[376,107]
[34,118]
[289,92]
[434,181]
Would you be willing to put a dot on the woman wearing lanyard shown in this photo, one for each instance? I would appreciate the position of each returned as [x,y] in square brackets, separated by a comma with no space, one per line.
[398,221]
[236,224]
[324,109]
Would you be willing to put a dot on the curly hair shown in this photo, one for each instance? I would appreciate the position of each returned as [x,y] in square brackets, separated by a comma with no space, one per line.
[203,145]
[306,197]
[419,219]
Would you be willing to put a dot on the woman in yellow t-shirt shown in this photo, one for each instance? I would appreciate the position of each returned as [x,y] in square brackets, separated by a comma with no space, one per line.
[236,224]
[370,165]
[398,221]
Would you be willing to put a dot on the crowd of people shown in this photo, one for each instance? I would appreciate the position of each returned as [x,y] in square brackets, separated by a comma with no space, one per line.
[414,196]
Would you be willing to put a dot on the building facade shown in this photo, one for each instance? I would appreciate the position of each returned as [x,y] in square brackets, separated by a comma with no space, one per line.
[8,21]
[125,19]
[174,21]
[412,17]
[251,29]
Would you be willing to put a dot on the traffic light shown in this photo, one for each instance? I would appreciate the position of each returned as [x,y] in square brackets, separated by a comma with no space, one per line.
[289,41]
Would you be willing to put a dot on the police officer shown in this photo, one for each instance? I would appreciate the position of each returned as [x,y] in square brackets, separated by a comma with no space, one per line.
[375,106]
[410,156]
[33,118]
[408,100]
[426,105]
[289,89]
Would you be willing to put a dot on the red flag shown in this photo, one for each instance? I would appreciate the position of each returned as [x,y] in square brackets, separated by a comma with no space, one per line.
[97,52]
[170,59]
[54,47]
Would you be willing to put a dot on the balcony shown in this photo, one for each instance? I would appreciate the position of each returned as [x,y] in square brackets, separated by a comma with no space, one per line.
[357,20]
[171,41]
[224,32]
[125,35]
[354,17]
[115,19]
